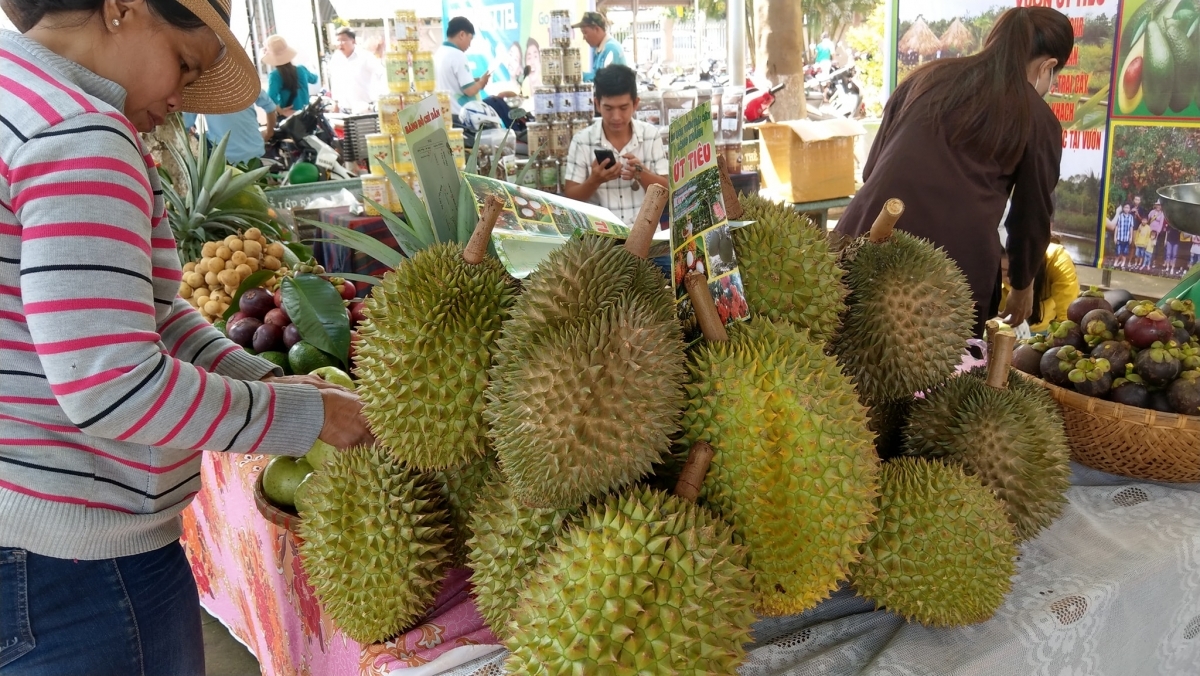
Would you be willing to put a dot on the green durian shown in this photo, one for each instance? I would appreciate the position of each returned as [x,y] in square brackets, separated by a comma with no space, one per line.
[886,419]
[1013,440]
[426,346]
[908,318]
[587,383]
[795,469]
[788,269]
[645,583]
[942,552]
[374,542]
[507,541]
[462,488]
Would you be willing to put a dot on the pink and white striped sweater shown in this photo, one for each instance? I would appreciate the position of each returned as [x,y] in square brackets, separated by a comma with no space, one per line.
[109,383]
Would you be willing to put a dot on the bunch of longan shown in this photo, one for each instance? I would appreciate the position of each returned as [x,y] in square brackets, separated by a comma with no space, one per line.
[210,283]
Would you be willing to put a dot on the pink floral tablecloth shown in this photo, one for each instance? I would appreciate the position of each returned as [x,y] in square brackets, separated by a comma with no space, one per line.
[250,578]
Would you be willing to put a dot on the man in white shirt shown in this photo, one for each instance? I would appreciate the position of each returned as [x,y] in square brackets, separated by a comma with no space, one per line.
[642,160]
[356,77]
[451,68]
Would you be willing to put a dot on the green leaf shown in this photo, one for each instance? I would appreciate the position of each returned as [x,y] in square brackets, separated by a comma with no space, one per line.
[408,241]
[253,281]
[237,184]
[316,309]
[416,214]
[467,212]
[300,250]
[498,154]
[360,242]
[472,163]
[525,170]
[354,277]
[216,162]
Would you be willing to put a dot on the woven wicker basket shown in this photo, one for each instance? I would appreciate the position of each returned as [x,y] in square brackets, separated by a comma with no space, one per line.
[1130,441]
[284,519]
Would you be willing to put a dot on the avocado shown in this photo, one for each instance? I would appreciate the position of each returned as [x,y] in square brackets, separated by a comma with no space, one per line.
[1158,79]
[1183,53]
[1135,26]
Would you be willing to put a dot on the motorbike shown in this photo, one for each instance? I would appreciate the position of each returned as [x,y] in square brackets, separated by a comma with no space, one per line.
[833,94]
[291,143]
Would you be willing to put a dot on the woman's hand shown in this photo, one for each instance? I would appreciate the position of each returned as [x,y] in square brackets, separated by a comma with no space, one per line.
[345,425]
[1019,305]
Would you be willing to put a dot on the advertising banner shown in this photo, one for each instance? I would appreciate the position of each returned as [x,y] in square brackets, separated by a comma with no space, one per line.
[934,29]
[700,236]
[510,34]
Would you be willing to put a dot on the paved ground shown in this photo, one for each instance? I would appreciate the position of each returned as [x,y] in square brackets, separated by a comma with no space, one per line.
[223,654]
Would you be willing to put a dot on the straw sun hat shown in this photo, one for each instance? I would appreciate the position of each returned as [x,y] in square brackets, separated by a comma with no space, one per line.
[231,84]
[278,52]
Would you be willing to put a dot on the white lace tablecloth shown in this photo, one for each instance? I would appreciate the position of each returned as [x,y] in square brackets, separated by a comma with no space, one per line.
[1112,588]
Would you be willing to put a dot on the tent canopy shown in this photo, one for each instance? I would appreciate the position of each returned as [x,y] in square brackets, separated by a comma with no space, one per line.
[920,39]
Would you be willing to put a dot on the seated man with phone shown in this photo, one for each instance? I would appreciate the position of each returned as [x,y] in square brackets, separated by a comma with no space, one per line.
[613,161]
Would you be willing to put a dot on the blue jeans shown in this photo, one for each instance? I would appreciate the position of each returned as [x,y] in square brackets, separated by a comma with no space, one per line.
[129,616]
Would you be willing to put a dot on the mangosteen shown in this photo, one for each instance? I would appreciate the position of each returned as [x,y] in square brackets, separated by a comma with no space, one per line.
[1118,353]
[1159,401]
[1184,393]
[1057,364]
[1130,390]
[1087,301]
[1189,356]
[1183,311]
[268,337]
[1027,357]
[1126,311]
[278,317]
[1147,326]
[1159,365]
[236,316]
[242,331]
[1092,377]
[291,336]
[256,303]
[1067,333]
[1098,326]
[1181,335]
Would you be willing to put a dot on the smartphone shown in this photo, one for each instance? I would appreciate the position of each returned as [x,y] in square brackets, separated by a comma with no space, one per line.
[605,156]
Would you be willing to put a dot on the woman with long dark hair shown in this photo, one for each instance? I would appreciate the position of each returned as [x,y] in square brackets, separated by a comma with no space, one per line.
[958,138]
[288,83]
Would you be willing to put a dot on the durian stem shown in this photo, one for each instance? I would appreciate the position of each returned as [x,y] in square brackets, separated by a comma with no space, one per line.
[991,328]
[999,359]
[646,222]
[478,245]
[705,308]
[694,470]
[881,230]
[733,206]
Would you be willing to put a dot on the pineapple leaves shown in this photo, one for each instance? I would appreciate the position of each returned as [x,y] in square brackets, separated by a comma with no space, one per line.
[415,212]
[360,242]
[408,240]
[365,279]
[467,215]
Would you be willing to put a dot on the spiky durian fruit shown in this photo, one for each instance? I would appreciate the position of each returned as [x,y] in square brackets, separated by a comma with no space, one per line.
[1012,439]
[908,318]
[646,583]
[942,552]
[374,542]
[507,541]
[886,419]
[425,350]
[788,269]
[462,488]
[586,389]
[795,469]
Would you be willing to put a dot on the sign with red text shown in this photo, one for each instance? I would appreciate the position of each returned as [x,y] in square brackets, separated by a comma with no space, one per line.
[1080,96]
[700,237]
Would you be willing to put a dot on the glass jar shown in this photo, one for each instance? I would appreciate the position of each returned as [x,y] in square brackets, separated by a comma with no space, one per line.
[396,65]
[552,66]
[389,107]
[572,66]
[545,102]
[537,137]
[375,188]
[584,107]
[565,99]
[379,152]
[422,70]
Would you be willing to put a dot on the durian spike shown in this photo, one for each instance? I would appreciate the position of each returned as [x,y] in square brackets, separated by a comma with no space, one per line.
[646,222]
[477,247]
[999,358]
[705,308]
[733,205]
[881,230]
[694,470]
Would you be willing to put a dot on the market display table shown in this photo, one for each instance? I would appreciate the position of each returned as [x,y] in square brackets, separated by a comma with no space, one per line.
[1111,588]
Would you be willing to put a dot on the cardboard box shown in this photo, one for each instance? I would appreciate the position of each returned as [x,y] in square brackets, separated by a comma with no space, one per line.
[808,161]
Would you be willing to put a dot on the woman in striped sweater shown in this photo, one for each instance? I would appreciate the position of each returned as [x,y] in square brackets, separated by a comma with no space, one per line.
[110,385]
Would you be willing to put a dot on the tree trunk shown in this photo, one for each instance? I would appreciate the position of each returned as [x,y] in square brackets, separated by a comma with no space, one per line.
[780,53]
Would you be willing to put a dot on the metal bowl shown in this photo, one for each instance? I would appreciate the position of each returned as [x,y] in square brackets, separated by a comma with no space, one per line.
[1182,206]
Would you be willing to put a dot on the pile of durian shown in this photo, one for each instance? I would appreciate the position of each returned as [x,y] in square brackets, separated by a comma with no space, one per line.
[537,433]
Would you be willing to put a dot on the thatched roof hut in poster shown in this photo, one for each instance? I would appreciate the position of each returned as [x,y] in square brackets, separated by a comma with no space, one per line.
[958,39]
[919,40]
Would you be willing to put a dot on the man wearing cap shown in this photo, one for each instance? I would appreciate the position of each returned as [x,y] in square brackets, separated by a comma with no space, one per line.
[452,69]
[606,50]
[356,78]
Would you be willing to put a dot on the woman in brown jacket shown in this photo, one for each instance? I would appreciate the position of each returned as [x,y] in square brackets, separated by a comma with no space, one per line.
[958,137]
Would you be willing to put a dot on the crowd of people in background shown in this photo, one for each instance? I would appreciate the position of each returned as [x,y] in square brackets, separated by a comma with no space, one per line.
[1139,234]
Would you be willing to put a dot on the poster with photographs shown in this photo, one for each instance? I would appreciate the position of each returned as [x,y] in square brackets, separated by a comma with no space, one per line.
[700,237]
[944,29]
[1139,235]
[533,223]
